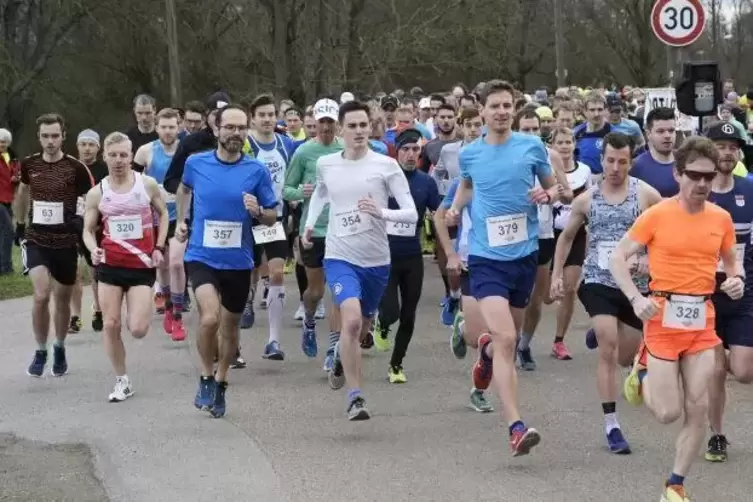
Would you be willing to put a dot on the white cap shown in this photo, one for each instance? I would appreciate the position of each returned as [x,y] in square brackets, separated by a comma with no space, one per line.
[326,109]
[424,103]
[346,96]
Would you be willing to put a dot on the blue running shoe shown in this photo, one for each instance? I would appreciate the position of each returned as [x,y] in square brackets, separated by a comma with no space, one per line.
[617,442]
[525,360]
[308,340]
[444,301]
[36,368]
[59,362]
[591,341]
[449,310]
[329,361]
[249,316]
[217,409]
[273,352]
[205,394]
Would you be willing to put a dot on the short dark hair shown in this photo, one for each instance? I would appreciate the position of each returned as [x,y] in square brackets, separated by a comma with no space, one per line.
[446,106]
[408,101]
[296,110]
[438,97]
[469,97]
[261,100]
[353,106]
[694,148]
[467,114]
[50,119]
[618,141]
[494,87]
[659,113]
[195,106]
[525,113]
[231,106]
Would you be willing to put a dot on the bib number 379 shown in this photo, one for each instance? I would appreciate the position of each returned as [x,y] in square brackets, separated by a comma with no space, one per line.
[507,230]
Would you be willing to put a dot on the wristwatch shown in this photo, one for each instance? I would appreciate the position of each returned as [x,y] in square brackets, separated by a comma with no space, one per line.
[161,249]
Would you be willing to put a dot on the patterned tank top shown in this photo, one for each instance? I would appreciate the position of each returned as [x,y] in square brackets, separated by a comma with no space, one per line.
[128,225]
[607,224]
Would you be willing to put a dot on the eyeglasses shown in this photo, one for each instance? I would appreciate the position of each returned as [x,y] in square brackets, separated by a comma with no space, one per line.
[698,176]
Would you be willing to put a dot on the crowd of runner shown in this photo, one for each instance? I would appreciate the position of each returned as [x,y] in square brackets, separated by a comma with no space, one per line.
[524,200]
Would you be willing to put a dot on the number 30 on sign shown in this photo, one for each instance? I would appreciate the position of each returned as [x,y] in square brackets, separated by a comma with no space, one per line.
[678,23]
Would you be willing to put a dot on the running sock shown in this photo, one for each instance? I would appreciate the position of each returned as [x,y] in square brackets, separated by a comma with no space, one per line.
[516,426]
[275,308]
[610,416]
[59,343]
[559,339]
[353,393]
[334,337]
[525,341]
[309,317]
[642,374]
[177,301]
[167,296]
[42,346]
[446,282]
[455,294]
[123,378]
[301,279]
[676,479]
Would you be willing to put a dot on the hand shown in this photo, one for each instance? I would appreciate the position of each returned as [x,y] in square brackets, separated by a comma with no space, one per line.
[97,255]
[181,232]
[157,258]
[19,234]
[368,205]
[308,190]
[539,196]
[645,308]
[251,203]
[306,238]
[734,287]
[452,217]
[557,289]
[454,265]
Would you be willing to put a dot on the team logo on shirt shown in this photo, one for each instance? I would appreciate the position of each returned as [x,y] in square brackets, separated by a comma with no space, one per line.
[740,200]
[599,143]
[337,288]
[728,129]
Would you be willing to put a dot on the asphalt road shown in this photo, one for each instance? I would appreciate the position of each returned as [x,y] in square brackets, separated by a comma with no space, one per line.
[286,436]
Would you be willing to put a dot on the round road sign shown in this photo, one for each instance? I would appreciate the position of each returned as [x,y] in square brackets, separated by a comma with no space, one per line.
[678,23]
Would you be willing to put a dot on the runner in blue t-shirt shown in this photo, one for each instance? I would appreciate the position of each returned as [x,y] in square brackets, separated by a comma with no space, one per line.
[229,189]
[500,171]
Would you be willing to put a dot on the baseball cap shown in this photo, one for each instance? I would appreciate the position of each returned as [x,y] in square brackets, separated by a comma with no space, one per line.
[217,101]
[614,102]
[88,135]
[346,97]
[408,137]
[724,131]
[544,113]
[326,109]
[389,101]
[424,104]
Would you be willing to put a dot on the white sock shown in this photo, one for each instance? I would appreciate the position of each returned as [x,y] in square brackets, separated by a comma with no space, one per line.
[275,308]
[455,294]
[610,421]
[123,379]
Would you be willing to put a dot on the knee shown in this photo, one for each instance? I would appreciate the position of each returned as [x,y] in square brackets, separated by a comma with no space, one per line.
[176,267]
[350,325]
[743,375]
[720,371]
[697,409]
[503,345]
[139,330]
[667,414]
[42,298]
[209,321]
[112,324]
[276,276]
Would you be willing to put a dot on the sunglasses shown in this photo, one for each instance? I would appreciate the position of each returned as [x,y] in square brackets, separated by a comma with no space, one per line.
[698,176]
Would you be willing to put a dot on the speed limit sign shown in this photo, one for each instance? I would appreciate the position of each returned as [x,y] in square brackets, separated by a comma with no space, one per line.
[678,23]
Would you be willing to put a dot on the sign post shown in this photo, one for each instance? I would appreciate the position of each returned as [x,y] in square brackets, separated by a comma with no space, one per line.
[678,23]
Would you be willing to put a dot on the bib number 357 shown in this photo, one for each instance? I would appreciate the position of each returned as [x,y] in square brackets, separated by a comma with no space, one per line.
[507,230]
[222,234]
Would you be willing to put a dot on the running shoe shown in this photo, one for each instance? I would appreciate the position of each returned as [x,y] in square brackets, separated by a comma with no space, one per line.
[263,301]
[289,266]
[217,410]
[525,360]
[357,410]
[248,317]
[479,402]
[36,368]
[320,313]
[159,303]
[300,313]
[273,352]
[617,442]
[205,394]
[76,325]
[591,341]
[329,361]
[449,310]
[98,322]
[59,362]
[336,376]
[381,337]
[167,321]
[522,441]
[121,391]
[482,370]
[457,342]
[396,375]
[238,363]
[674,493]
[308,340]
[631,388]
[368,341]
[560,352]
[177,330]
[717,449]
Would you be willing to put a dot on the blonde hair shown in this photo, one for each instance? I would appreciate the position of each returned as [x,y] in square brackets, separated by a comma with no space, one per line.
[168,113]
[115,138]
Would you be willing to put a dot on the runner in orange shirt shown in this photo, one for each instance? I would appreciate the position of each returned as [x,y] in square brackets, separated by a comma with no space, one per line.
[684,236]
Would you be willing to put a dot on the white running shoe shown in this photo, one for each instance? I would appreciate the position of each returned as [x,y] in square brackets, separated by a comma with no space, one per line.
[300,313]
[320,312]
[121,391]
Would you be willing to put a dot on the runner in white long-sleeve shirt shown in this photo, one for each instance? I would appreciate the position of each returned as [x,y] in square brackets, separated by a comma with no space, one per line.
[357,184]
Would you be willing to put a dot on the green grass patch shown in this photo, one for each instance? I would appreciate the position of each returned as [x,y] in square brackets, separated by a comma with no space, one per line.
[17,285]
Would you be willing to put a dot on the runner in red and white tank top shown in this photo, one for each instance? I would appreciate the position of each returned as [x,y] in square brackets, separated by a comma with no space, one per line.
[128,225]
[131,249]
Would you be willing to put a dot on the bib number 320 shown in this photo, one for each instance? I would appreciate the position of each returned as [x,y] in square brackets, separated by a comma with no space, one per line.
[125,228]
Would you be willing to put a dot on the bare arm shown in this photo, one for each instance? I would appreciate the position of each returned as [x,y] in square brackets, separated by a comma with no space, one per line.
[91,218]
[580,208]
[442,232]
[558,167]
[182,201]
[620,268]
[463,195]
[647,195]
[267,217]
[158,203]
[21,204]
[143,157]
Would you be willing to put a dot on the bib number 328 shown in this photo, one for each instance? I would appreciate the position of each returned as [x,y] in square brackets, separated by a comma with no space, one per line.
[507,230]
[684,312]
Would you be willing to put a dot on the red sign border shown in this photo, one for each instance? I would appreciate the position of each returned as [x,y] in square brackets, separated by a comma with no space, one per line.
[677,42]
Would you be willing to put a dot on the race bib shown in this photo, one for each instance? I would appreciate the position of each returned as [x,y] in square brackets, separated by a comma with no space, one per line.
[507,230]
[264,234]
[222,234]
[124,228]
[352,222]
[739,257]
[47,213]
[401,229]
[545,213]
[605,251]
[168,197]
[684,312]
[80,206]
[444,186]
